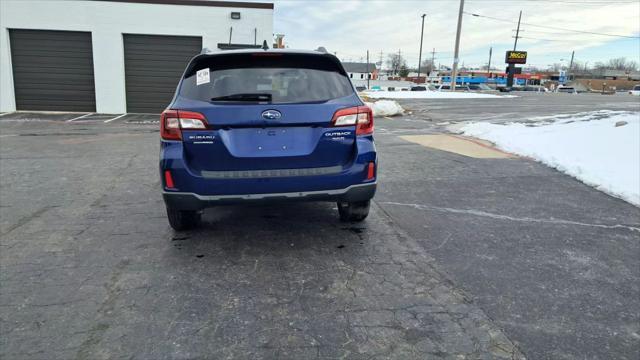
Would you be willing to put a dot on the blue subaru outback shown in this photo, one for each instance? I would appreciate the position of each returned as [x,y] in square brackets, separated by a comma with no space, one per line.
[266,125]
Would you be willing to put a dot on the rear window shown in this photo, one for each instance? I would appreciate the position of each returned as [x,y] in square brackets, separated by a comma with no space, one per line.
[286,78]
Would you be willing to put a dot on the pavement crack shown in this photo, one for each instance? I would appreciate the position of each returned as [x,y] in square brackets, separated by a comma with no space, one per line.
[509,218]
[24,220]
[101,324]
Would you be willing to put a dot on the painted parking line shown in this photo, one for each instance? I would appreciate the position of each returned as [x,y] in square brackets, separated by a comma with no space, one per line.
[7,113]
[115,118]
[79,117]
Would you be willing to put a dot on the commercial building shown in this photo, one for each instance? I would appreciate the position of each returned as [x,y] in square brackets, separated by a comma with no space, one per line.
[360,71]
[114,56]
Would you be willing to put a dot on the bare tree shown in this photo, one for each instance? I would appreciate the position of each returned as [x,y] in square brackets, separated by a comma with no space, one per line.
[580,67]
[427,66]
[621,63]
[395,62]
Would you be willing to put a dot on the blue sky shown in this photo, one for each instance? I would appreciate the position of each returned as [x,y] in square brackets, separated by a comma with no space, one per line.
[350,27]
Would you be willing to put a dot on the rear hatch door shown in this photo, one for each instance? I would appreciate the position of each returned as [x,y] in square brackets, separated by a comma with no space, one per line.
[267,111]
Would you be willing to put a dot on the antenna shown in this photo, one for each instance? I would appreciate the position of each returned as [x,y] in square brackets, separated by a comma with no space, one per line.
[265,47]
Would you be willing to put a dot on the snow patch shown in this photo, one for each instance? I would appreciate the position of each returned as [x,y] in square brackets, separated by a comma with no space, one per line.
[385,108]
[587,146]
[430,95]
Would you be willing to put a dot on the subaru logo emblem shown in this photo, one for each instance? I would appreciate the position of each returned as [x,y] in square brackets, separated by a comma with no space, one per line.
[271,114]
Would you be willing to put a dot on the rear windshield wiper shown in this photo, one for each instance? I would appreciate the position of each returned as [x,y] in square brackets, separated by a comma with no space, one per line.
[243,97]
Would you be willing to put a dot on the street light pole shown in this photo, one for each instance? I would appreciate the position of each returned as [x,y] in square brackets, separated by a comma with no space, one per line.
[517,31]
[570,65]
[420,53]
[454,70]
[512,67]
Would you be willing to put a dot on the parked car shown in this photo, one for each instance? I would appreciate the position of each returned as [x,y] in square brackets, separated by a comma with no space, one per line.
[635,91]
[479,87]
[361,88]
[266,125]
[458,87]
[566,89]
[419,88]
[536,88]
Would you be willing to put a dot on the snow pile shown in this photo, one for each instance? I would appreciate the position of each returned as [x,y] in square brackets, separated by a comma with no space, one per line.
[386,108]
[588,146]
[430,95]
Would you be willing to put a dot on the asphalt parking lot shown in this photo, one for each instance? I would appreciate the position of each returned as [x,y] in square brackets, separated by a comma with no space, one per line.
[461,257]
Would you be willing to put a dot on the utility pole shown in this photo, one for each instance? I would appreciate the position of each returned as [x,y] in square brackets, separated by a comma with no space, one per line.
[454,70]
[570,65]
[512,67]
[489,64]
[515,44]
[420,54]
[368,76]
[398,62]
[433,59]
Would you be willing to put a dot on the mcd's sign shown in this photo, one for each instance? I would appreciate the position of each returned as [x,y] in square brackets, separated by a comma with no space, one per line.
[516,57]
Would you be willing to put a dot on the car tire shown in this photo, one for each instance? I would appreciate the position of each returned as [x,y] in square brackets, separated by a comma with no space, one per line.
[353,211]
[182,219]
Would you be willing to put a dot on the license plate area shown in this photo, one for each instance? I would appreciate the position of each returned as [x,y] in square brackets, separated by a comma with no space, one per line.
[271,142]
[273,139]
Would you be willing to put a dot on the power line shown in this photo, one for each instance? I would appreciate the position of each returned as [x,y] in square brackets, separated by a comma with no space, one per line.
[553,27]
[533,38]
[546,32]
[599,2]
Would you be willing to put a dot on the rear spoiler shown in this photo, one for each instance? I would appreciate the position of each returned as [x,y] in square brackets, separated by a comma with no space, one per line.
[247,58]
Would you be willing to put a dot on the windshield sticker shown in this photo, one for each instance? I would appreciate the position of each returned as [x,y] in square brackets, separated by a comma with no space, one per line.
[202,76]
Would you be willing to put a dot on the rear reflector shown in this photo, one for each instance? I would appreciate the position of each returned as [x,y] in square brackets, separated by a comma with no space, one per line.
[371,171]
[168,180]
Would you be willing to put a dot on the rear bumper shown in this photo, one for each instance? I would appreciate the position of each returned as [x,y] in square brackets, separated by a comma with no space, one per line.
[192,201]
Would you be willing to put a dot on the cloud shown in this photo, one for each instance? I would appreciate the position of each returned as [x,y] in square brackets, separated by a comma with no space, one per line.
[351,27]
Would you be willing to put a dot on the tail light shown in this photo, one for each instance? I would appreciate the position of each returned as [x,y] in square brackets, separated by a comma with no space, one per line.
[360,116]
[172,122]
